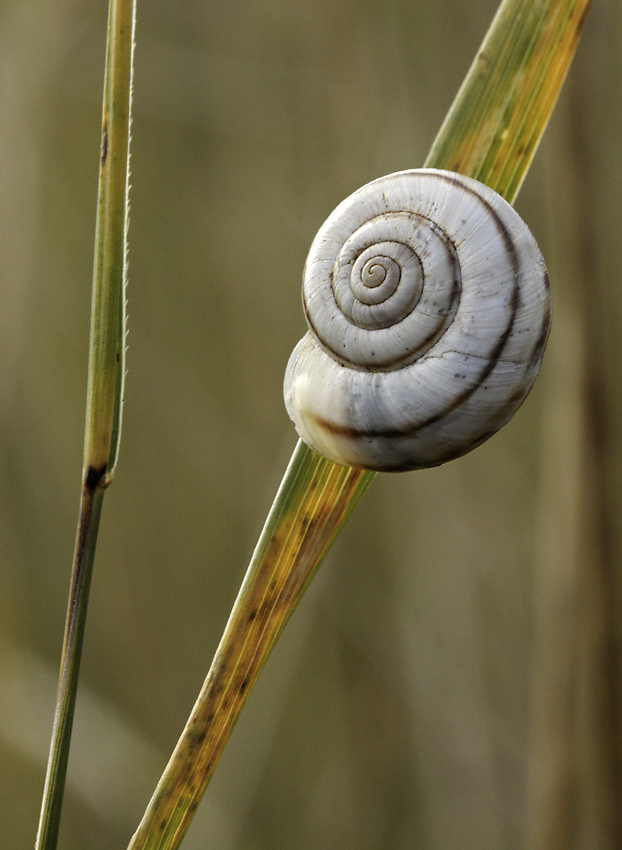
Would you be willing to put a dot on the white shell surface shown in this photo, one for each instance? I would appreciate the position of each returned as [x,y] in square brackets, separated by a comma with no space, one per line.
[428,305]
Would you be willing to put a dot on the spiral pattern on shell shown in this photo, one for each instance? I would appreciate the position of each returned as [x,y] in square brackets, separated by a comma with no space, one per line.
[428,307]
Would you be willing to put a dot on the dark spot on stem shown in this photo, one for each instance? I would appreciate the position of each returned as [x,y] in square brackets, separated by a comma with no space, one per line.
[197,737]
[93,477]
[104,150]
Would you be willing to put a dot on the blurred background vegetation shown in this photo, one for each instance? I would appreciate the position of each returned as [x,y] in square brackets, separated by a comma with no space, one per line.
[451,679]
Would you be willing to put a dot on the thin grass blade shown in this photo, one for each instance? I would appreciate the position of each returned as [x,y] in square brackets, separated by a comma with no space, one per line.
[105,390]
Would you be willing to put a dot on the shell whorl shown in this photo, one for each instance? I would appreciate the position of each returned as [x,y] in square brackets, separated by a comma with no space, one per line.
[428,307]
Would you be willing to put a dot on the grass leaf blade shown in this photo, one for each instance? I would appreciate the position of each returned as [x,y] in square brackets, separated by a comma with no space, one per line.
[491,133]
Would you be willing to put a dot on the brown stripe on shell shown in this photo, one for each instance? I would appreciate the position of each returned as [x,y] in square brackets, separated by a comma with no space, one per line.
[535,358]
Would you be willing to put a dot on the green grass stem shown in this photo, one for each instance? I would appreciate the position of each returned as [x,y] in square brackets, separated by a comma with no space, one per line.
[104,394]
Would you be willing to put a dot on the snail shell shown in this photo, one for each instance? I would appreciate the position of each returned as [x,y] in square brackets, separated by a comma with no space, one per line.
[428,306]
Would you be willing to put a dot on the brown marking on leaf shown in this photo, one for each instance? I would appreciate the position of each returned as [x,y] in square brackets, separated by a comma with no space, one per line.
[104,147]
[196,736]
